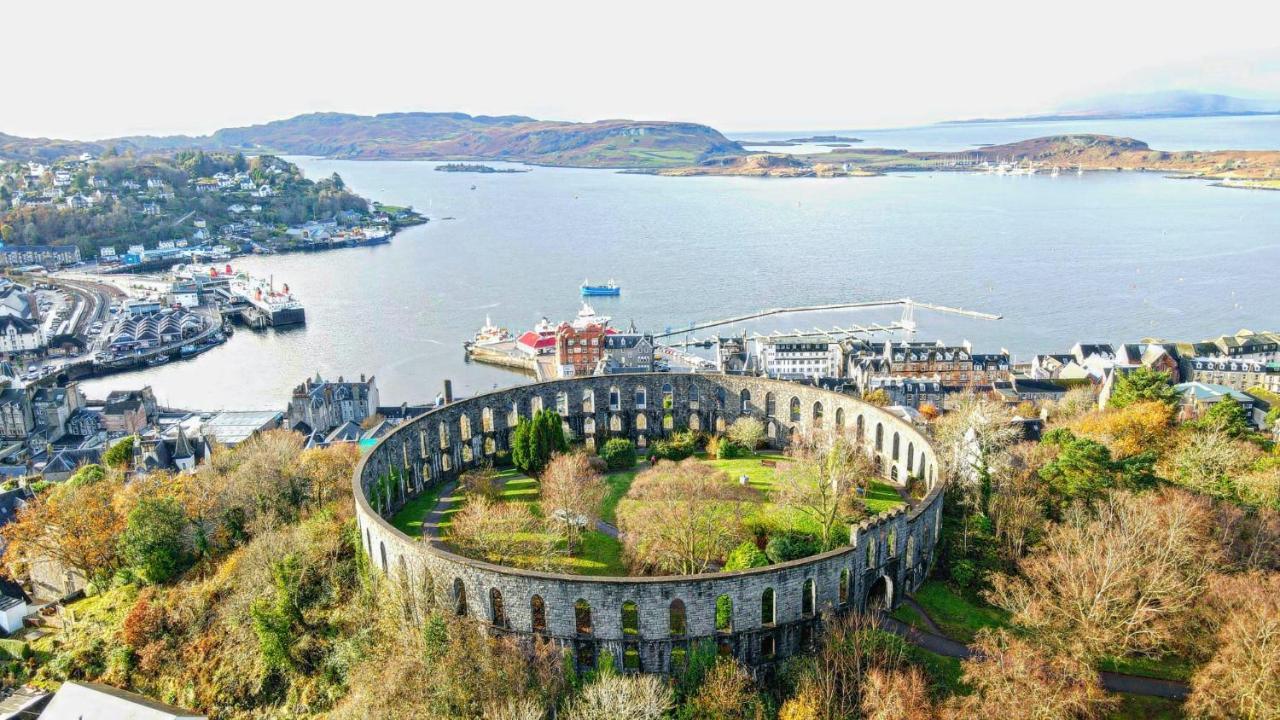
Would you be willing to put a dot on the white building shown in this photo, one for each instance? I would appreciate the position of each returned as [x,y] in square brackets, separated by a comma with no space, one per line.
[799,358]
[19,335]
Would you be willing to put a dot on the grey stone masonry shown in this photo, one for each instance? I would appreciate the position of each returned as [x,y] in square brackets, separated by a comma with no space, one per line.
[887,555]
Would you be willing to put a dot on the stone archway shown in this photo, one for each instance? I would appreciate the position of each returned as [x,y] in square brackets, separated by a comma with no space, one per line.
[880,595]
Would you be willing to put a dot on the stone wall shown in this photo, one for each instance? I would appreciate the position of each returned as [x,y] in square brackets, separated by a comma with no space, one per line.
[887,555]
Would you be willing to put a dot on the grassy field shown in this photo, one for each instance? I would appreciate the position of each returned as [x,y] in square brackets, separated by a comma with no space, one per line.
[1169,667]
[959,617]
[1137,707]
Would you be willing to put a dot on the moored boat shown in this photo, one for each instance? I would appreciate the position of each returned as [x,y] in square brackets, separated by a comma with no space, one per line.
[609,289]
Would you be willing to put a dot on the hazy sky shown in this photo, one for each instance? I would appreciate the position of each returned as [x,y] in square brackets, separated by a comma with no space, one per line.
[87,70]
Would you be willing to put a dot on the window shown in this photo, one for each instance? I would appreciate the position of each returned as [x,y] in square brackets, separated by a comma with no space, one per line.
[817,414]
[768,647]
[693,396]
[839,418]
[642,422]
[744,401]
[589,426]
[443,433]
[535,404]
[911,457]
[891,543]
[467,456]
[768,611]
[464,427]
[879,437]
[497,614]
[642,398]
[513,415]
[490,447]
[808,600]
[724,614]
[844,587]
[720,398]
[795,409]
[630,618]
[382,548]
[562,403]
[861,428]
[538,611]
[668,397]
[911,550]
[615,423]
[582,616]
[675,621]
[895,446]
[871,552]
[486,420]
[588,401]
[459,597]
[770,405]
[668,422]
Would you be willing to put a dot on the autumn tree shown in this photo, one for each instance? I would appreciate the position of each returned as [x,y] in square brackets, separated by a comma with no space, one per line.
[974,438]
[897,695]
[1142,384]
[1242,678]
[571,491]
[680,518]
[621,697]
[1139,427]
[1011,678]
[75,524]
[482,482]
[727,693]
[1118,582]
[818,481]
[747,431]
[501,533]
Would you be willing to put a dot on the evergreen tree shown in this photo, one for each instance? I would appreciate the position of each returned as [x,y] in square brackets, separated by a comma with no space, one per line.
[1142,384]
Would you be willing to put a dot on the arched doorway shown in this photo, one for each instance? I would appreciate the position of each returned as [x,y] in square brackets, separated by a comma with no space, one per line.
[880,595]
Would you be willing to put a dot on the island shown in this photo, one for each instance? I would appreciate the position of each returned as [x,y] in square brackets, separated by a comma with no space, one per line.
[470,168]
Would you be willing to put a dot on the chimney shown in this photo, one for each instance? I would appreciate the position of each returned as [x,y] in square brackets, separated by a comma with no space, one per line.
[448,391]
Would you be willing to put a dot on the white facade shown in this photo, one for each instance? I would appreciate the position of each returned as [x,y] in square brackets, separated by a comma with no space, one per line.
[20,337]
[792,358]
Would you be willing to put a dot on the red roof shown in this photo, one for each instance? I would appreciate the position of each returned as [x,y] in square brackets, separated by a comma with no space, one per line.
[531,339]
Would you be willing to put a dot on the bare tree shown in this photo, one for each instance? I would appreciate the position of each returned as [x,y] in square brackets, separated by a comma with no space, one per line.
[1012,678]
[572,490]
[747,431]
[897,695]
[974,437]
[682,517]
[503,533]
[622,697]
[819,479]
[1242,679]
[1120,582]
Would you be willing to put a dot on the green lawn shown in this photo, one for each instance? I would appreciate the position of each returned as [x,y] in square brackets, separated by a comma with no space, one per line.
[1169,667]
[881,497]
[959,617]
[619,482]
[409,519]
[760,476]
[1138,707]
[909,615]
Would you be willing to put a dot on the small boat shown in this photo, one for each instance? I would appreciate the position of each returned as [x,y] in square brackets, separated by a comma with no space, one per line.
[490,334]
[609,290]
[188,350]
[157,360]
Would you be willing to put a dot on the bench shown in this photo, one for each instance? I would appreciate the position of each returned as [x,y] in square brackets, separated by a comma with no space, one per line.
[769,463]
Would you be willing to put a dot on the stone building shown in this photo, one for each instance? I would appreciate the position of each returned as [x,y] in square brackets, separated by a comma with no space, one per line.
[579,349]
[650,624]
[1236,373]
[627,352]
[16,417]
[796,358]
[322,405]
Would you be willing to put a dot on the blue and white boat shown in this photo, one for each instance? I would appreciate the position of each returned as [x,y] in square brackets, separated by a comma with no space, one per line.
[609,290]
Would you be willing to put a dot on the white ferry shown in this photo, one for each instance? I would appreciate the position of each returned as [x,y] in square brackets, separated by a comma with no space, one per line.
[279,306]
[490,334]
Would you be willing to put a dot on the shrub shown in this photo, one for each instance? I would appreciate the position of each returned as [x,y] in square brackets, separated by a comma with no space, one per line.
[676,447]
[791,546]
[746,556]
[481,482]
[120,454]
[747,432]
[728,449]
[618,454]
[151,544]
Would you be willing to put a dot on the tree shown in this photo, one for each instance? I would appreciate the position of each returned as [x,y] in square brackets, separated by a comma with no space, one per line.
[482,482]
[1012,678]
[818,480]
[622,697]
[1120,582]
[505,533]
[747,431]
[727,693]
[1209,461]
[1227,416]
[745,556]
[1084,468]
[879,397]
[897,695]
[571,491]
[1242,678]
[681,517]
[974,438]
[536,440]
[120,454]
[1142,384]
[152,544]
[74,524]
[618,454]
[1130,430]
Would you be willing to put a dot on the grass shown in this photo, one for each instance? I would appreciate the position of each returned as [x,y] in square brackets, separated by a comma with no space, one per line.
[1138,707]
[881,497]
[409,519]
[760,476]
[909,615]
[1169,667]
[959,617]
[619,482]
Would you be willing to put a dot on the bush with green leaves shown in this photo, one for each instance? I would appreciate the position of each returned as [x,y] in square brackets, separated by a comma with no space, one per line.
[618,454]
[745,557]
[120,455]
[152,542]
[675,448]
[791,546]
[536,440]
[1142,384]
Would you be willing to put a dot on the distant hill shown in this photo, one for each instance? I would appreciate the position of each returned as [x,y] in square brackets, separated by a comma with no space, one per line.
[1175,103]
[439,136]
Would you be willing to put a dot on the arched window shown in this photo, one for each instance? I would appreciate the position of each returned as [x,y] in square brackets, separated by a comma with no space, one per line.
[589,426]
[641,397]
[642,421]
[693,396]
[719,423]
[668,397]
[770,430]
[615,398]
[744,401]
[490,447]
[669,422]
[879,437]
[497,614]
[582,617]
[808,600]
[443,432]
[695,422]
[862,428]
[724,614]
[486,420]
[770,405]
[768,611]
[839,418]
[459,597]
[368,541]
[675,622]
[893,473]
[446,463]
[844,587]
[871,551]
[588,401]
[562,403]
[630,618]
[895,446]
[535,404]
[464,427]
[538,611]
[911,457]
[382,549]
[911,550]
[795,409]
[720,398]
[467,456]
[513,415]
[817,414]
[891,543]
[615,423]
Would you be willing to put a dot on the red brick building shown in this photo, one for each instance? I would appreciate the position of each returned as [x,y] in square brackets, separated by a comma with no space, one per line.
[579,349]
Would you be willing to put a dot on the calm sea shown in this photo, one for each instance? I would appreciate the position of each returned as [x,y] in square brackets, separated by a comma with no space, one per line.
[1105,256]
